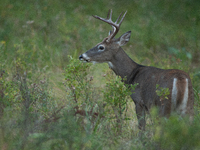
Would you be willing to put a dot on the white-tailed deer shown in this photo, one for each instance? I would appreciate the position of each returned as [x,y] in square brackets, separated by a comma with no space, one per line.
[181,97]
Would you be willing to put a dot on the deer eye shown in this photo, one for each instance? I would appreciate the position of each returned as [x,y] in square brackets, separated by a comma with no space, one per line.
[101,47]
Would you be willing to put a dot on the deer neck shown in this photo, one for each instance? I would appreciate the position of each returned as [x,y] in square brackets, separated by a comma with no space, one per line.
[122,64]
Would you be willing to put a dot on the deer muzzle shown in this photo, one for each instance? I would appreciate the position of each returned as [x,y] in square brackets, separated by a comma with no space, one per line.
[84,57]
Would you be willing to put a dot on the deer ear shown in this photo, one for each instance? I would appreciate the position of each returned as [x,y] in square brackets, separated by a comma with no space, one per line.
[122,40]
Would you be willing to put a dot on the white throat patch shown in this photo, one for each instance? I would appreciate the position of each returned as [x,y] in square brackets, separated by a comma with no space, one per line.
[110,64]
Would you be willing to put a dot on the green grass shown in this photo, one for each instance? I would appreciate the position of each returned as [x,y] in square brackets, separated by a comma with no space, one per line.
[36,37]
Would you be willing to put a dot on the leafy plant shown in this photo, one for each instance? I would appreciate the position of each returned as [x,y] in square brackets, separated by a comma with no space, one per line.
[82,96]
[116,95]
[77,82]
[162,93]
[176,133]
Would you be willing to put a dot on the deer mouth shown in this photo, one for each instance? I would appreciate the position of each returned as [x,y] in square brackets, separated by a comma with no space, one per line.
[84,58]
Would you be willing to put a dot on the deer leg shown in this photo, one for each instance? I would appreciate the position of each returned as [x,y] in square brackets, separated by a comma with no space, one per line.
[140,111]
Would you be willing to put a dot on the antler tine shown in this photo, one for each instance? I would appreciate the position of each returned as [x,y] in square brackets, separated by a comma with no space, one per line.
[122,18]
[109,16]
[113,24]
[108,19]
[119,17]
[117,26]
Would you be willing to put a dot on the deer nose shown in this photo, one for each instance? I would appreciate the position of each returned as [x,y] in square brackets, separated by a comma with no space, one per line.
[81,57]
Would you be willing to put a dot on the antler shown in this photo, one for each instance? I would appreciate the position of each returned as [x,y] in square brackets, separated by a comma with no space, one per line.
[114,25]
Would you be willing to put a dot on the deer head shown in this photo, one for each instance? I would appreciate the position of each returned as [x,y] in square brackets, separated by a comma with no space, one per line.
[106,50]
